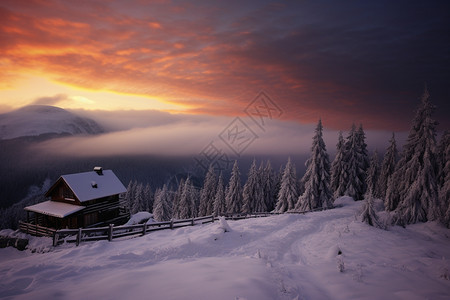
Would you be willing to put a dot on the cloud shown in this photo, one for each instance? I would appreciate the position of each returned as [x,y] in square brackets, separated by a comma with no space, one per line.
[159,133]
[50,100]
[61,99]
[362,62]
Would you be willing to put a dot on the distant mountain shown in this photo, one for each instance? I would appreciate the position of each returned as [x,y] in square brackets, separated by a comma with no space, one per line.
[35,120]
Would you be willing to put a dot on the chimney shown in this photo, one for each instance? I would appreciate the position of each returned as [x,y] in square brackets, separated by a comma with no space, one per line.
[98,170]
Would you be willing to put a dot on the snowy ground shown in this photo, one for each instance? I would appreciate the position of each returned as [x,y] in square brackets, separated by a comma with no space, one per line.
[278,257]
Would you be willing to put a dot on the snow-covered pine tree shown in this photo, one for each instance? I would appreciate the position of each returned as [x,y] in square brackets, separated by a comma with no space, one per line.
[278,176]
[444,191]
[208,193]
[288,194]
[268,183]
[387,169]
[233,196]
[417,187]
[441,157]
[148,198]
[364,159]
[162,208]
[177,198]
[373,174]
[252,192]
[219,200]
[129,196]
[353,182]
[368,214]
[392,197]
[187,208]
[337,168]
[317,177]
[138,200]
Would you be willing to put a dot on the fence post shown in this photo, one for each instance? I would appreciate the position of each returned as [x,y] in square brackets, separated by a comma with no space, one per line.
[192,222]
[144,229]
[110,232]
[171,223]
[79,236]
[55,238]
[212,218]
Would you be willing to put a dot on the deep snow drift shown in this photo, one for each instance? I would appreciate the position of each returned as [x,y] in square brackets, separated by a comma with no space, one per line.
[278,257]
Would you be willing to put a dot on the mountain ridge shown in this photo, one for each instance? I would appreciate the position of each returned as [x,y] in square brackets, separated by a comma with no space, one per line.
[36,120]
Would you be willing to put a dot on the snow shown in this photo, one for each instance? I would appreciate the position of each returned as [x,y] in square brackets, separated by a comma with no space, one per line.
[107,184]
[140,217]
[55,209]
[34,120]
[285,256]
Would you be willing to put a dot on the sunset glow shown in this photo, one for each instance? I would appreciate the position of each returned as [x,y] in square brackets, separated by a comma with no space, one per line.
[203,57]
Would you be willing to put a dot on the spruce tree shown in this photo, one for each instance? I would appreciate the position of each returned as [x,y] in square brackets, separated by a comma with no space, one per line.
[364,157]
[317,177]
[148,198]
[187,201]
[219,199]
[277,185]
[353,182]
[288,194]
[208,193]
[162,208]
[260,205]
[444,191]
[441,158]
[387,169]
[368,214]
[337,168]
[138,201]
[233,195]
[252,192]
[417,187]
[177,198]
[129,196]
[269,188]
[373,174]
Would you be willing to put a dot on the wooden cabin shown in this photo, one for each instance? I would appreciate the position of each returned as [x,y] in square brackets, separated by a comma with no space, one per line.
[80,200]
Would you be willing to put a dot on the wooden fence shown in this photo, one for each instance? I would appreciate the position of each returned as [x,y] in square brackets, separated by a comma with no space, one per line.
[113,232]
[35,229]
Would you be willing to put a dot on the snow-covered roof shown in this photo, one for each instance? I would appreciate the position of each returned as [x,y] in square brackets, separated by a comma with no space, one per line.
[55,209]
[92,185]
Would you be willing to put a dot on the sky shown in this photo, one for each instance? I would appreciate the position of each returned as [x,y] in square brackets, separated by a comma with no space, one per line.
[353,61]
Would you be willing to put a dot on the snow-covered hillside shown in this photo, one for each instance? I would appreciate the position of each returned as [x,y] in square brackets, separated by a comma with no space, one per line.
[35,120]
[278,257]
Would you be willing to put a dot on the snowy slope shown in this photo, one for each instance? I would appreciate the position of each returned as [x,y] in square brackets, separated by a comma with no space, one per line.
[34,120]
[279,257]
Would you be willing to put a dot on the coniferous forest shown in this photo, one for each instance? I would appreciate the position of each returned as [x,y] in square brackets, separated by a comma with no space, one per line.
[413,184]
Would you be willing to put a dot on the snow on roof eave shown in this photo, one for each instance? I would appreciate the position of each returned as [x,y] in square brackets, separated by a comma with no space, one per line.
[54,209]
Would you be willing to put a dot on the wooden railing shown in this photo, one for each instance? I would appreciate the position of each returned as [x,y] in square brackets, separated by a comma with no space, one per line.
[36,229]
[113,232]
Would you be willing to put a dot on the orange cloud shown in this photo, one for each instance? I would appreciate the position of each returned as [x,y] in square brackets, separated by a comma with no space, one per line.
[205,57]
